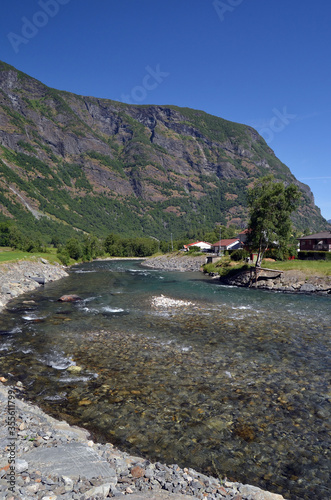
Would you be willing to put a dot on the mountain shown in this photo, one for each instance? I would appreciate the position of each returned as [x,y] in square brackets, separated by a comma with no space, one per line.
[96,165]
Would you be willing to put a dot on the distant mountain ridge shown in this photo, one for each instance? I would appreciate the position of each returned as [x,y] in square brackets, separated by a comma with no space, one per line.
[103,166]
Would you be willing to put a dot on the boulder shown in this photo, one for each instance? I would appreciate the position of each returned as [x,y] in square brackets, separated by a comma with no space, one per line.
[69,298]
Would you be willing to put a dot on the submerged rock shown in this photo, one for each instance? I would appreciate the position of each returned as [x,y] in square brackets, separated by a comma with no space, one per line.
[69,298]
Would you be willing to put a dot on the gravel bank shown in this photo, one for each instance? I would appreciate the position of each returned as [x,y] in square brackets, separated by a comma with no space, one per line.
[180,262]
[54,460]
[15,278]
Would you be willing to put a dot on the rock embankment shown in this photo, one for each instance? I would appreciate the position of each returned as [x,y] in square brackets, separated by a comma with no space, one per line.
[53,460]
[16,277]
[180,262]
[287,281]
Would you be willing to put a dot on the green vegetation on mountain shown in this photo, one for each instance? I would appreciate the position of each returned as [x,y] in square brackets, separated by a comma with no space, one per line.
[71,165]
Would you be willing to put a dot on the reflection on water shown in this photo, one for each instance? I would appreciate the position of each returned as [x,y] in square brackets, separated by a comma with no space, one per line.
[232,382]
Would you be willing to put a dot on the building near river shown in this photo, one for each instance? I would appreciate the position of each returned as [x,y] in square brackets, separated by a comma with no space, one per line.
[203,245]
[228,244]
[318,242]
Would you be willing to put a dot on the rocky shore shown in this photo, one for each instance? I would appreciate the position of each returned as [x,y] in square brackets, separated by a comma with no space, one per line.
[17,277]
[287,281]
[53,460]
[182,262]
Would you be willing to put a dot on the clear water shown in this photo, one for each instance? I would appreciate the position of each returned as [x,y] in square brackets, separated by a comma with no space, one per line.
[234,384]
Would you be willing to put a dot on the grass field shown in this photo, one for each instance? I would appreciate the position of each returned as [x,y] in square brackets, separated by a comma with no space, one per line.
[309,267]
[8,255]
[315,267]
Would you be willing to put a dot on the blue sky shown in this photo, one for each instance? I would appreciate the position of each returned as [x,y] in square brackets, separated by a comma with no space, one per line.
[260,62]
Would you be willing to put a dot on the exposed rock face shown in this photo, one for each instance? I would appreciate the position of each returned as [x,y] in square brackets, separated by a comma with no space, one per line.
[139,169]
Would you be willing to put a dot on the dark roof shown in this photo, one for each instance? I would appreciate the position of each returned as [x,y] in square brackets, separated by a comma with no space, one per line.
[317,236]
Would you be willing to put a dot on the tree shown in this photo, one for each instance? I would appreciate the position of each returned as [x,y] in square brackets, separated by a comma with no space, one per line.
[74,248]
[270,207]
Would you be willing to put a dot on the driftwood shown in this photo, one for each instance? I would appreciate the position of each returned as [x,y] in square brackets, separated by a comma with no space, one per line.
[273,270]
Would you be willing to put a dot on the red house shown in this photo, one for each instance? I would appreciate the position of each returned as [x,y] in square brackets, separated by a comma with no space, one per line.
[318,241]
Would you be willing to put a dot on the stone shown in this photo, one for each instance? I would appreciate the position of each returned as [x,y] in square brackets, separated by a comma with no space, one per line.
[307,287]
[21,465]
[100,491]
[74,369]
[137,472]
[69,298]
[70,460]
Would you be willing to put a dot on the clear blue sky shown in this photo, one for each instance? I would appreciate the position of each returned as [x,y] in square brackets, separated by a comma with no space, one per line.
[260,62]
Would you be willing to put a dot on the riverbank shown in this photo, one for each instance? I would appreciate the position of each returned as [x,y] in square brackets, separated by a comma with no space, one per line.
[294,281]
[54,460]
[179,262]
[17,277]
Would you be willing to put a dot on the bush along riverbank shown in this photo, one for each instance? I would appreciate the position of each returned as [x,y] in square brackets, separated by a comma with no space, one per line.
[52,460]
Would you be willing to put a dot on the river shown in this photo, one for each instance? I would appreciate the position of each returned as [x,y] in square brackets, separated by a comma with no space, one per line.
[230,381]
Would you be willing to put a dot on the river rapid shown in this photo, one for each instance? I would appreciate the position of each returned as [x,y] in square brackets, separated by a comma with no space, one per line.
[178,368]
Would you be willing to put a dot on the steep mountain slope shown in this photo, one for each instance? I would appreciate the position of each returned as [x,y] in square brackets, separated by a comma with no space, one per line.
[98,165]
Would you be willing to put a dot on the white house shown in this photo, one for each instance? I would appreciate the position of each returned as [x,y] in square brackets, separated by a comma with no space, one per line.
[204,247]
[229,244]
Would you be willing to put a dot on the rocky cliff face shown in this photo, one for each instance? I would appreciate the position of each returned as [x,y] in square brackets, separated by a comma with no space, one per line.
[100,165]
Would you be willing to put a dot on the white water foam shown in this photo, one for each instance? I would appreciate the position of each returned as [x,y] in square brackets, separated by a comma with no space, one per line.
[56,360]
[112,309]
[32,317]
[81,271]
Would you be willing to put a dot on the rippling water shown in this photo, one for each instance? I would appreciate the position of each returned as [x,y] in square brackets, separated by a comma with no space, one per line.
[234,384]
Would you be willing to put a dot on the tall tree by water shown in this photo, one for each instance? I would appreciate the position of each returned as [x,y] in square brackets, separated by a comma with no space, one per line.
[270,207]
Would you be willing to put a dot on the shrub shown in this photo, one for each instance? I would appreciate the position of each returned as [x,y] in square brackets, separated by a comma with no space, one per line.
[314,255]
[74,248]
[239,254]
[64,256]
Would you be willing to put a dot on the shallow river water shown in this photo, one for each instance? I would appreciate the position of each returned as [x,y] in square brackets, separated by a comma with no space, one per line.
[232,382]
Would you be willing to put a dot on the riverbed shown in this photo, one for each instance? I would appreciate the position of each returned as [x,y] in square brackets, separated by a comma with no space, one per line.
[178,368]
